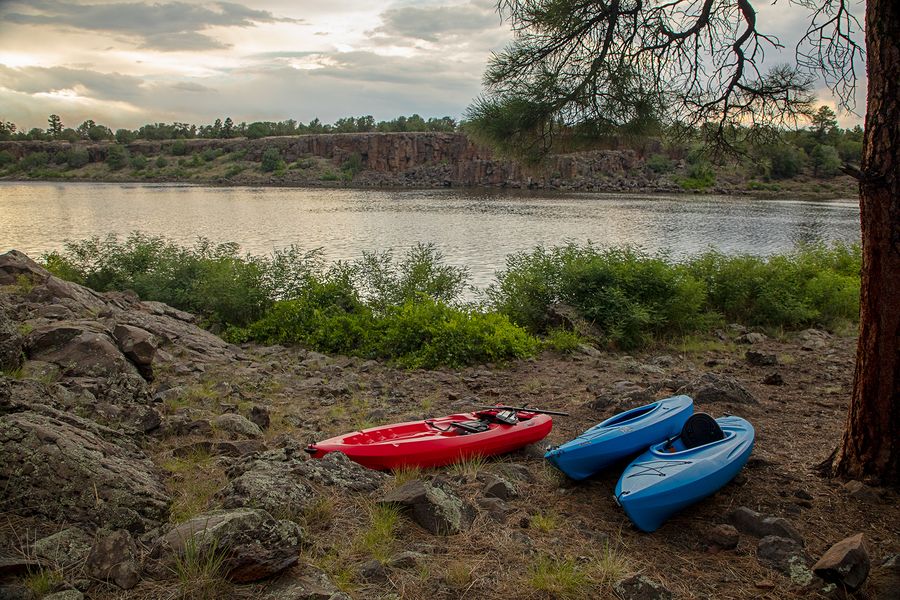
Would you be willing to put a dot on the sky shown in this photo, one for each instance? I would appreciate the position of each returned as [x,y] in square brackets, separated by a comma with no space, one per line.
[126,63]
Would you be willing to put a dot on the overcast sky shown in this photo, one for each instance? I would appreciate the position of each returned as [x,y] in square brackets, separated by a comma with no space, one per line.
[124,64]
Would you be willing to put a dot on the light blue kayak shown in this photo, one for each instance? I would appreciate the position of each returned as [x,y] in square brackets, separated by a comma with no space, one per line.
[670,476]
[621,436]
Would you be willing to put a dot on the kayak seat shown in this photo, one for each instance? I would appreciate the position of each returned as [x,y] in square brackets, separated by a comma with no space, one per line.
[700,429]
[465,427]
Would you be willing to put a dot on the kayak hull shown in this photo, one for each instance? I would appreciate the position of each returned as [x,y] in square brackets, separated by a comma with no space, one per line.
[659,483]
[621,436]
[433,442]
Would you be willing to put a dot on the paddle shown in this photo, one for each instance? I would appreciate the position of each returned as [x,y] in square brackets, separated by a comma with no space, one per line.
[526,409]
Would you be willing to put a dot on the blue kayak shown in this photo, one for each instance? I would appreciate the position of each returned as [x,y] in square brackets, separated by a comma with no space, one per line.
[673,475]
[621,436]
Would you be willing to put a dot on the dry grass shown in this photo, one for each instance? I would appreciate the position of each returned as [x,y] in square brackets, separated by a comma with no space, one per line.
[193,483]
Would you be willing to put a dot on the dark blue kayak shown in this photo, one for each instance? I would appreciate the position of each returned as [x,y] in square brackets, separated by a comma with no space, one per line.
[672,475]
[621,436]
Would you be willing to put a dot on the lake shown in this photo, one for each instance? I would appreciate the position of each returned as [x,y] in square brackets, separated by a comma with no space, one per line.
[475,228]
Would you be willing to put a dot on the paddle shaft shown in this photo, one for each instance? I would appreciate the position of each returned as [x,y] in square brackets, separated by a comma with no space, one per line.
[526,409]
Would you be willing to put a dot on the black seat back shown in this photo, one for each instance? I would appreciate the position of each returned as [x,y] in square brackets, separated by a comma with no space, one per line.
[700,429]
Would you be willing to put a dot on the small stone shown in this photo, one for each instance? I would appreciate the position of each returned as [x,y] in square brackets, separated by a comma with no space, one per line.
[785,555]
[803,495]
[371,570]
[115,558]
[406,560]
[846,563]
[640,587]
[495,508]
[759,525]
[760,359]
[259,416]
[774,378]
[751,338]
[497,487]
[765,584]
[862,492]
[723,536]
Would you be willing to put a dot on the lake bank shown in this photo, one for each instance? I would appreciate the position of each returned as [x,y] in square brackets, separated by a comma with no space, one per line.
[399,160]
[178,427]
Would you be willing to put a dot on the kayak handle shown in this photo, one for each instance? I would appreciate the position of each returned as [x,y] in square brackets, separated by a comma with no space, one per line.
[311,449]
[526,409]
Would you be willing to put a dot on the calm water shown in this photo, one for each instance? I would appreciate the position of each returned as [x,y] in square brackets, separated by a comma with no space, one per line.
[474,228]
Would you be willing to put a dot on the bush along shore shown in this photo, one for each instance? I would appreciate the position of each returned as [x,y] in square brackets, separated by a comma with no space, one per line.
[143,452]
[425,160]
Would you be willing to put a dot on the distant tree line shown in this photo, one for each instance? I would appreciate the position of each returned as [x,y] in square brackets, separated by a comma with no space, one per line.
[222,129]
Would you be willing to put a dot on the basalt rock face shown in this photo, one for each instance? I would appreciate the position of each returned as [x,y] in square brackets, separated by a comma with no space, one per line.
[414,159]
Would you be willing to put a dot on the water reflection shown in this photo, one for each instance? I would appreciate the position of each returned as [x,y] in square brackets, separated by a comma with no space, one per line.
[474,228]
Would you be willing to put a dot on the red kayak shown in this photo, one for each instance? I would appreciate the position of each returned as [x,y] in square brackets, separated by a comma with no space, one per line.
[441,441]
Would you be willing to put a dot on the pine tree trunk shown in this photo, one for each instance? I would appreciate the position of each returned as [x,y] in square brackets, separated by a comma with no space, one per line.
[871,444]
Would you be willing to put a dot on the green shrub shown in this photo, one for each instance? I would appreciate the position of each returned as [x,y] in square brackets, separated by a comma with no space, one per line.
[161,162]
[77,158]
[825,161]
[271,160]
[700,175]
[33,160]
[233,170]
[210,154]
[562,340]
[785,160]
[6,158]
[330,176]
[179,148]
[659,163]
[353,164]
[116,157]
[138,162]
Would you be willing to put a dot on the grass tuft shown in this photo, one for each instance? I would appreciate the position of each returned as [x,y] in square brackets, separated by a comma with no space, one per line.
[468,467]
[201,571]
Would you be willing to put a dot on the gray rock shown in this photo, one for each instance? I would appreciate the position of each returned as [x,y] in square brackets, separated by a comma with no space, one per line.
[80,349]
[71,469]
[335,469]
[787,556]
[138,345]
[115,558]
[759,525]
[271,485]
[371,570]
[497,487]
[237,424]
[68,548]
[640,587]
[846,563]
[813,339]
[710,388]
[437,510]
[751,338]
[723,536]
[495,508]
[760,359]
[305,583]
[232,448]
[47,289]
[252,543]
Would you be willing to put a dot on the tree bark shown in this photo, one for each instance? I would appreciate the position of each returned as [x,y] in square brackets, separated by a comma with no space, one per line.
[870,447]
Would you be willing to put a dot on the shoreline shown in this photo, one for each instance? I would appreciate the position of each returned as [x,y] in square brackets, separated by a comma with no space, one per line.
[789,194]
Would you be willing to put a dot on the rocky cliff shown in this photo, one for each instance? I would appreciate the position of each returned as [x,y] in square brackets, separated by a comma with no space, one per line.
[400,159]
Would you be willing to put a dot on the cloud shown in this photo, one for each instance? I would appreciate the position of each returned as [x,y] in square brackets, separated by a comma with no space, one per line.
[190,86]
[87,83]
[166,26]
[434,23]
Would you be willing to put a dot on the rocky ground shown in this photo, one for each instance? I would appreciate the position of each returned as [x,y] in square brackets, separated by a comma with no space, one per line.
[143,457]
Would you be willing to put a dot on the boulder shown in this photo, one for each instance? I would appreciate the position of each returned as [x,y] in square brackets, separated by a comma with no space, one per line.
[773,378]
[269,484]
[253,544]
[759,525]
[336,470]
[813,339]
[259,415]
[436,509]
[237,425]
[68,548]
[710,388]
[640,587]
[66,468]
[45,288]
[846,563]
[79,348]
[115,558]
[138,345]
